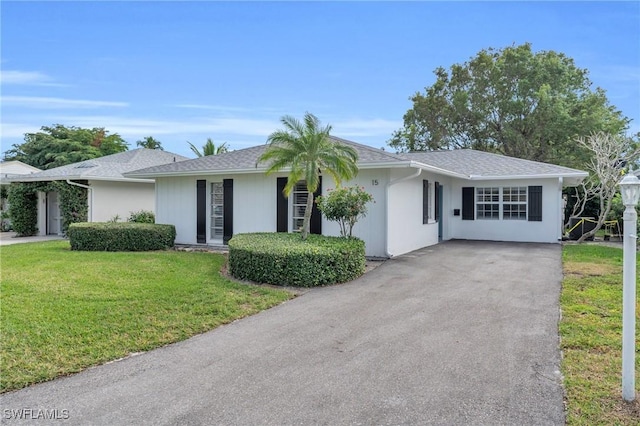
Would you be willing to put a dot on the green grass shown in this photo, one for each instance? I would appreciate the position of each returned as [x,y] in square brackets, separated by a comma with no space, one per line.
[64,310]
[591,334]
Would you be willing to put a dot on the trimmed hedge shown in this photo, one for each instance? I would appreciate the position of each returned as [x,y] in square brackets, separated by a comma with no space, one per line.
[125,236]
[286,259]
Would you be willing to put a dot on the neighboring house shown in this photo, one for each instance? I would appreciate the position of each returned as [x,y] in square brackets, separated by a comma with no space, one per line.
[109,193]
[420,198]
[9,169]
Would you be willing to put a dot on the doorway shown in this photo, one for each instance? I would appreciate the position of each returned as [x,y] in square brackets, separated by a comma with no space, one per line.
[53,213]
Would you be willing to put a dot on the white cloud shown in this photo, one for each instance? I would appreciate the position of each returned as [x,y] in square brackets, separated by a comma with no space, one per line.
[57,103]
[32,78]
[17,130]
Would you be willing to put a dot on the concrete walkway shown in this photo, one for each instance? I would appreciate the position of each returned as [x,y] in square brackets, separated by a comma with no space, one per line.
[8,238]
[460,333]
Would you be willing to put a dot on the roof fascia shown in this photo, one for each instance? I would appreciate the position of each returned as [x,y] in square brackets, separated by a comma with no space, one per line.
[580,175]
[79,177]
[376,165]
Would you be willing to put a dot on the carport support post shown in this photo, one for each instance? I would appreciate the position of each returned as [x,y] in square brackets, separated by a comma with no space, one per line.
[630,191]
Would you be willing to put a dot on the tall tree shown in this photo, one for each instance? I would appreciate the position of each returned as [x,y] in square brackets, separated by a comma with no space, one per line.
[611,154]
[511,101]
[305,148]
[209,148]
[150,143]
[59,145]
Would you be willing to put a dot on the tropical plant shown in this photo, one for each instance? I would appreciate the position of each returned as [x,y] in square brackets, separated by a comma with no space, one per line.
[150,143]
[209,148]
[59,145]
[345,206]
[307,150]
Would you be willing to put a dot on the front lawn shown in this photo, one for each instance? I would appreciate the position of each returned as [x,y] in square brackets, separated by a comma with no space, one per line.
[591,333]
[64,310]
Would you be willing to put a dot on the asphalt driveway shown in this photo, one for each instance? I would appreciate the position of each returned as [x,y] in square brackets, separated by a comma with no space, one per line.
[459,333]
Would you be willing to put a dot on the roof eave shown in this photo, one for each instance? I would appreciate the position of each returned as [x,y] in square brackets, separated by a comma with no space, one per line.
[209,172]
[79,177]
[580,175]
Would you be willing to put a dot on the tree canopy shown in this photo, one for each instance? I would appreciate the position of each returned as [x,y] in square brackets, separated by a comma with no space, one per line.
[510,101]
[305,148]
[59,145]
[150,142]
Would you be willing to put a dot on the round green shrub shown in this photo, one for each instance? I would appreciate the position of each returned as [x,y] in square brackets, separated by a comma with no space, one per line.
[125,236]
[286,259]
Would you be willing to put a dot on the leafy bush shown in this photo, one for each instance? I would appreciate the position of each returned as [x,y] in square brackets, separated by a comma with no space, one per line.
[74,204]
[345,206]
[121,236]
[142,216]
[23,204]
[285,259]
[23,208]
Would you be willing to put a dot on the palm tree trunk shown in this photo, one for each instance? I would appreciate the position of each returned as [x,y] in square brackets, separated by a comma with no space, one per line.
[306,222]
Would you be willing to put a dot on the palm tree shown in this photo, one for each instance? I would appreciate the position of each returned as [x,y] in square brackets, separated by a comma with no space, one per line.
[209,148]
[308,151]
[150,143]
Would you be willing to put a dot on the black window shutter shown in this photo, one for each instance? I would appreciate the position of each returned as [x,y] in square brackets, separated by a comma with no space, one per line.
[282,206]
[436,203]
[227,215]
[468,210]
[201,211]
[315,227]
[425,201]
[535,204]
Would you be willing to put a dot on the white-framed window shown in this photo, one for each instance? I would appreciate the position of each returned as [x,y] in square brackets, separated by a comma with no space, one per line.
[300,196]
[217,211]
[488,203]
[514,203]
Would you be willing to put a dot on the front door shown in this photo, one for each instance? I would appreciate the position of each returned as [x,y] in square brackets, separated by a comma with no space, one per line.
[53,213]
[217,212]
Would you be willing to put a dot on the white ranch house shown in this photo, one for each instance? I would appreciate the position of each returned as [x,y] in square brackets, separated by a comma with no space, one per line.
[109,192]
[420,198]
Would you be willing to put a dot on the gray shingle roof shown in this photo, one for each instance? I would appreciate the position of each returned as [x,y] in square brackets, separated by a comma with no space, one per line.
[463,163]
[247,159]
[480,164]
[110,167]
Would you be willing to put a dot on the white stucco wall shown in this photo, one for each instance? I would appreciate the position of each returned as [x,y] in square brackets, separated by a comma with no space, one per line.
[176,205]
[254,203]
[406,231]
[546,231]
[254,206]
[119,198]
[371,228]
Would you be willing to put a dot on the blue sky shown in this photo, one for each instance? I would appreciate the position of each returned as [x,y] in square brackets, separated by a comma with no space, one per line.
[186,71]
